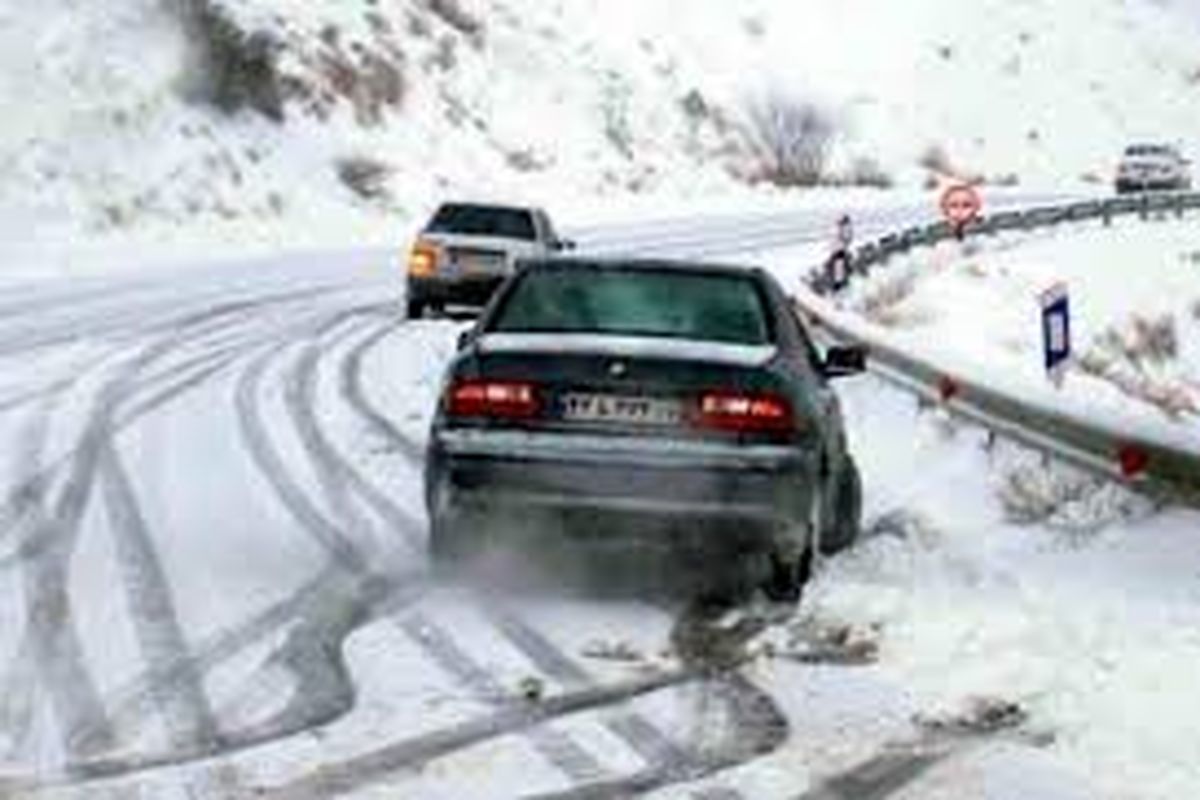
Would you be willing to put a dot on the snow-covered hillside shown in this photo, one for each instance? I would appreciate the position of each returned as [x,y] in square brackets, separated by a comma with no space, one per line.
[316,119]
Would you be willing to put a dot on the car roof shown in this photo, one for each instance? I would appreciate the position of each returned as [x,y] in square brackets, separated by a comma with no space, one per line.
[620,263]
[485,206]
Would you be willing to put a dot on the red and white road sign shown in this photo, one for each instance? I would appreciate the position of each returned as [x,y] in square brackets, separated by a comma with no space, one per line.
[961,204]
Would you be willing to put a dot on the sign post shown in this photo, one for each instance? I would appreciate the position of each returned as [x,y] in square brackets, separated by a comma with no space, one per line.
[1056,331]
[960,205]
[837,266]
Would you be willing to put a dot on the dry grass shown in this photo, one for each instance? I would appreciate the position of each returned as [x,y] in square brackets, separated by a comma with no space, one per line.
[1137,357]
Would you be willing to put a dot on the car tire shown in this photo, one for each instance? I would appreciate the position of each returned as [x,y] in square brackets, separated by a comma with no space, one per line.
[451,539]
[415,309]
[786,577]
[843,522]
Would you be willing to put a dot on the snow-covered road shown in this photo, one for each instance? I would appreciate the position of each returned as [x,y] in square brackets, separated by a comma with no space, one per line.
[213,581]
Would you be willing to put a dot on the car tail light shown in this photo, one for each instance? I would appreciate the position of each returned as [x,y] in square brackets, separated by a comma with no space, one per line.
[500,399]
[422,260]
[735,411]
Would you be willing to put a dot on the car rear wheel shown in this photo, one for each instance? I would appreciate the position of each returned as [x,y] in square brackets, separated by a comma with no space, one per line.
[843,520]
[786,576]
[452,538]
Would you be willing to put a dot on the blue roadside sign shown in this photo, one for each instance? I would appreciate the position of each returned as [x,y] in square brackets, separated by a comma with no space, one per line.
[1056,330]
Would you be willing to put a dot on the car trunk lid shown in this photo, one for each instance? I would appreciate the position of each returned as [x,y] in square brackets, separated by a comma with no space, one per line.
[624,385]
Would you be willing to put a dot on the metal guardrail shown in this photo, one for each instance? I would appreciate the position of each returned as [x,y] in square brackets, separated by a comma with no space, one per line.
[1144,206]
[1093,445]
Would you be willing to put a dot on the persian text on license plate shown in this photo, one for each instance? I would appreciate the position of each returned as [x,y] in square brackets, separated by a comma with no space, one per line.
[613,408]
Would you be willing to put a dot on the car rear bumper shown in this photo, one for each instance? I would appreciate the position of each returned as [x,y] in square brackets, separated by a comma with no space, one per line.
[473,290]
[623,478]
[1137,185]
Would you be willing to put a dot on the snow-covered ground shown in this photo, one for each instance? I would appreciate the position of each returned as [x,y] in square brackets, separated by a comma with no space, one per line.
[975,311]
[214,585]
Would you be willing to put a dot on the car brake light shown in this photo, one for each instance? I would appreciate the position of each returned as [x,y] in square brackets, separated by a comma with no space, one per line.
[482,398]
[732,411]
[422,260]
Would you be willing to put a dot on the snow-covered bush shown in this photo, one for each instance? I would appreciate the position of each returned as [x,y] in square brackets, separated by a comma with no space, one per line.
[791,140]
[1140,358]
[365,176]
[864,171]
[1062,497]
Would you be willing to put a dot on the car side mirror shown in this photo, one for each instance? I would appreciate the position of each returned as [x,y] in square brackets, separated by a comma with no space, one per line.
[843,361]
[464,339]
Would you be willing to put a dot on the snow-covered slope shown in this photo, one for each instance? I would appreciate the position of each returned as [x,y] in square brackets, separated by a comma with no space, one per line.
[975,311]
[348,115]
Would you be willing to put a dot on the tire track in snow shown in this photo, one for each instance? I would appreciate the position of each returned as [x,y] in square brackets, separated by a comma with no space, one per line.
[559,748]
[15,501]
[669,762]
[877,778]
[327,610]
[352,389]
[50,640]
[633,729]
[324,613]
[341,777]
[759,729]
[341,482]
[87,730]
[186,712]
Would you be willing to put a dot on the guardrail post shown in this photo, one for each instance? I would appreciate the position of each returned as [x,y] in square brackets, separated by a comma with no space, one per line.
[1144,207]
[1178,203]
[1106,213]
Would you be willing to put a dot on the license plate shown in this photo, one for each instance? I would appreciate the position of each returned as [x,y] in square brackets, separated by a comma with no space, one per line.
[614,408]
[472,264]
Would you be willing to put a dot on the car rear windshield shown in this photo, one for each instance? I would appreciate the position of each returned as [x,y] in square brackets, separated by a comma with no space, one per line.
[508,223]
[637,302]
[1149,150]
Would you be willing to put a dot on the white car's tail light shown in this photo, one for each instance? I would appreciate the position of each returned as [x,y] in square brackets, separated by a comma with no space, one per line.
[423,259]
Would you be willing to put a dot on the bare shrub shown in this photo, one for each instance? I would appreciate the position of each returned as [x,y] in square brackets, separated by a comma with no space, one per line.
[371,82]
[867,172]
[615,107]
[453,14]
[525,160]
[694,106]
[234,69]
[883,300]
[1061,497]
[791,139]
[365,176]
[935,159]
[1136,358]
[231,68]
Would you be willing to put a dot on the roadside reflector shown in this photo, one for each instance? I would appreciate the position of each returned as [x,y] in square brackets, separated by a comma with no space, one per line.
[1133,460]
[948,388]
